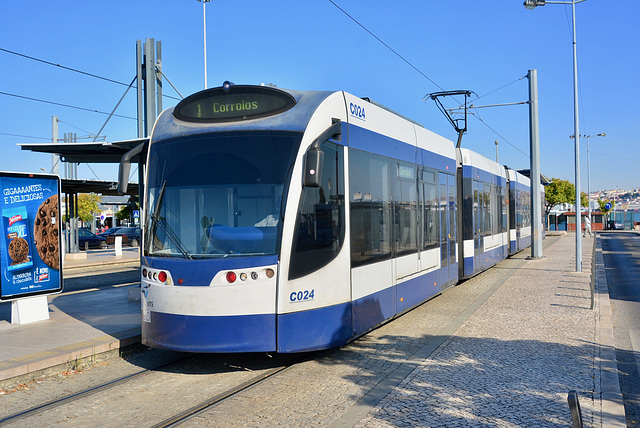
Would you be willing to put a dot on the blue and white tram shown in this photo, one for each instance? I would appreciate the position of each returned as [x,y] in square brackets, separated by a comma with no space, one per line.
[484,213]
[290,221]
[519,211]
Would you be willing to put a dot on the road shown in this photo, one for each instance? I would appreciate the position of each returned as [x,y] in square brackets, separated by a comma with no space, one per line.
[101,277]
[621,252]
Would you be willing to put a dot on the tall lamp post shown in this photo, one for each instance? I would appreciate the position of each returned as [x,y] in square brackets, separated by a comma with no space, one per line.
[588,168]
[532,4]
[204,26]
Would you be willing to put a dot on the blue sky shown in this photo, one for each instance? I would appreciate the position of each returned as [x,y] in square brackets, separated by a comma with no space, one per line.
[485,47]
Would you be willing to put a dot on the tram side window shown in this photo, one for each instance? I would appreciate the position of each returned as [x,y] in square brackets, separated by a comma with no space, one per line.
[406,209]
[477,214]
[504,204]
[495,210]
[453,213]
[512,208]
[527,210]
[370,195]
[430,211]
[320,228]
[520,209]
[487,209]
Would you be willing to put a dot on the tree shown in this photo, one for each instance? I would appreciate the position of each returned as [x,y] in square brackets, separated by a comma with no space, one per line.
[584,200]
[88,206]
[126,212]
[603,209]
[558,192]
[561,192]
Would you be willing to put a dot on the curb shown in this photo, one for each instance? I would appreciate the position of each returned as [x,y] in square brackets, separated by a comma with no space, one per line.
[103,263]
[70,357]
[611,400]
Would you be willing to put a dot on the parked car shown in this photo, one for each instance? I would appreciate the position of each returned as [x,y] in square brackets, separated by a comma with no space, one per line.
[109,232]
[132,233]
[612,225]
[86,237]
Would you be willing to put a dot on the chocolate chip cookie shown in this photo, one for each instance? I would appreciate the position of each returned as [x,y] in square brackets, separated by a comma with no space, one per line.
[18,250]
[45,231]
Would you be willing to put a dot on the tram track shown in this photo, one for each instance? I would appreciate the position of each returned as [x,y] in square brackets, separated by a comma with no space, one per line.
[218,377]
[209,403]
[40,408]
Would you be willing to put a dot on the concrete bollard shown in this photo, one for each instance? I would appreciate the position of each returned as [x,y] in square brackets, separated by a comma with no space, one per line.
[118,245]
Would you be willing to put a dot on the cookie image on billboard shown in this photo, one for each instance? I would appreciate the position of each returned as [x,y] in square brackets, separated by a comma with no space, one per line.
[18,250]
[45,231]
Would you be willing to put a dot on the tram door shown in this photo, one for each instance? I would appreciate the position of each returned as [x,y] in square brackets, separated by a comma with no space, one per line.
[448,230]
[478,219]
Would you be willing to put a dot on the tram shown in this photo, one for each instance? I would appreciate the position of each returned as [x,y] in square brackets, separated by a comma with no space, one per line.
[289,221]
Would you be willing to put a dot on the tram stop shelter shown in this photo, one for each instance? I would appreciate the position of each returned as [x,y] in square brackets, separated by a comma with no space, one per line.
[97,152]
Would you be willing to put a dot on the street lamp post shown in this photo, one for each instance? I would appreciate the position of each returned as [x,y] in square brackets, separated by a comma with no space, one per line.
[531,4]
[204,26]
[588,169]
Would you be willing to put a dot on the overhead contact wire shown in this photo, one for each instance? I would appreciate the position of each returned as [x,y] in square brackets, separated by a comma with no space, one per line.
[387,46]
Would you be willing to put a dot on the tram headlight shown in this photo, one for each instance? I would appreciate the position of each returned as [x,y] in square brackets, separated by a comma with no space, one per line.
[269,273]
[243,276]
[254,275]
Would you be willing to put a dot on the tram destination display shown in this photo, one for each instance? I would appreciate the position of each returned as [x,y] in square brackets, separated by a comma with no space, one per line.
[233,103]
[31,258]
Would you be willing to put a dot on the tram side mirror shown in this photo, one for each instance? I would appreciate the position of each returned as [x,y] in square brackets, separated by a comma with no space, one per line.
[125,165]
[314,157]
[123,177]
[313,167]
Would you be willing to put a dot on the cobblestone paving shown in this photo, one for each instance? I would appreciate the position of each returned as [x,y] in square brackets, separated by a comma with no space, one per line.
[513,362]
[510,364]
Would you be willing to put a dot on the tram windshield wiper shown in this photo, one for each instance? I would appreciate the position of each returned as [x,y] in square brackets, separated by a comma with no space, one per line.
[157,220]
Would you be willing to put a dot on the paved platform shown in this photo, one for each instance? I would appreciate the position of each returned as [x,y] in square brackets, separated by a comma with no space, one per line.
[510,363]
[514,360]
[82,324]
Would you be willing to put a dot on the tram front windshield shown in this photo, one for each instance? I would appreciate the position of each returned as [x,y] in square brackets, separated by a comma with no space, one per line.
[218,195]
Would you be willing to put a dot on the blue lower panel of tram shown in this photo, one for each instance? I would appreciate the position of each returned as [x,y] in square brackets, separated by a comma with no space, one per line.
[420,289]
[320,328]
[241,333]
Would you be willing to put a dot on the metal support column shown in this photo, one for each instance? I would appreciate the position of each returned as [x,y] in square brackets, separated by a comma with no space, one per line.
[158,76]
[55,158]
[139,80]
[149,87]
[536,188]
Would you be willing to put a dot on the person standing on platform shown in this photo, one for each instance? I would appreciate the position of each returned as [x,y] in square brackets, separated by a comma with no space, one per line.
[587,227]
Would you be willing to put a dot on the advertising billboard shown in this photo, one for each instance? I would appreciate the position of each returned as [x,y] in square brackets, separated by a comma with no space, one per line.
[31,235]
